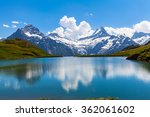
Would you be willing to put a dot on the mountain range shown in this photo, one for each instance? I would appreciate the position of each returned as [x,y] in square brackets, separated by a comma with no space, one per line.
[100,42]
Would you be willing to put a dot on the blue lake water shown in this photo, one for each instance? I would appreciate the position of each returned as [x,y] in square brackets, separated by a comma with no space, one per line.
[74,78]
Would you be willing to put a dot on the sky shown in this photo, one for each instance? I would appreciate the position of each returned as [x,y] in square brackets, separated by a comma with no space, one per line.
[46,14]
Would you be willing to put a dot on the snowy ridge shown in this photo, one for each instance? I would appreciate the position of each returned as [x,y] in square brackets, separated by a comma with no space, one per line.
[100,42]
[33,35]
[141,38]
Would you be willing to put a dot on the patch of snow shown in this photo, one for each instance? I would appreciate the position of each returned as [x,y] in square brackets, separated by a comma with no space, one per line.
[108,45]
[143,40]
[37,42]
[80,44]
[33,35]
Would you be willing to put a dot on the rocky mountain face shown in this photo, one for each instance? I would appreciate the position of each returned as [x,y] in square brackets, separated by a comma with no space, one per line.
[33,35]
[100,42]
[141,38]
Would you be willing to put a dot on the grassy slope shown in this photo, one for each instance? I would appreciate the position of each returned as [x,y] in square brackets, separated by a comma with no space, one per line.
[17,49]
[141,53]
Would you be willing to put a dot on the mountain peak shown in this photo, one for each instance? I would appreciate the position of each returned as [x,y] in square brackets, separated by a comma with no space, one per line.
[139,35]
[102,32]
[30,28]
[29,25]
[28,32]
[97,34]
[103,29]
[55,35]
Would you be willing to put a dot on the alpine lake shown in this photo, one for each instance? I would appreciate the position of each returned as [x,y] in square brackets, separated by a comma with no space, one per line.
[74,78]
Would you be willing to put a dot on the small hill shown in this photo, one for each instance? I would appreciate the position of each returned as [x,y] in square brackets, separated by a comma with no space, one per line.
[17,49]
[141,53]
[142,56]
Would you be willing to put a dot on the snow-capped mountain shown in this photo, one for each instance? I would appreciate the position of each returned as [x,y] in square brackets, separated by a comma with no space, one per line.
[33,35]
[141,38]
[112,44]
[100,42]
[97,34]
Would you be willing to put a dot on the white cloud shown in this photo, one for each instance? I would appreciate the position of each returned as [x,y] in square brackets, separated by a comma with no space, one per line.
[68,22]
[6,26]
[71,30]
[15,22]
[18,22]
[121,31]
[14,26]
[25,23]
[143,26]
[60,31]
[91,14]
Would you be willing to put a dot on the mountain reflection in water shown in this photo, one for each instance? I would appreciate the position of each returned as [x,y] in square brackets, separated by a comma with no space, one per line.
[72,71]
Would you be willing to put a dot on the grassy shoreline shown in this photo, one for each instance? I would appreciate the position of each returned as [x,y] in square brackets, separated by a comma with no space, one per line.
[30,58]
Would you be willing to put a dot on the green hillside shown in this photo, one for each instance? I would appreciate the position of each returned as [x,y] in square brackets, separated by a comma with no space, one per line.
[141,53]
[17,49]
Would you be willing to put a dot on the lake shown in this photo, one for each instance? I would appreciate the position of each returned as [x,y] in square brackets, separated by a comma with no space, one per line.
[74,78]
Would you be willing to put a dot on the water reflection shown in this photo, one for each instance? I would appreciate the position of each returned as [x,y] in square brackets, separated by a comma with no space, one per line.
[141,71]
[70,72]
[28,72]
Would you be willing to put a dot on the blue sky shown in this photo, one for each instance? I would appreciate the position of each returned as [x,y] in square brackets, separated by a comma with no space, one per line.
[45,14]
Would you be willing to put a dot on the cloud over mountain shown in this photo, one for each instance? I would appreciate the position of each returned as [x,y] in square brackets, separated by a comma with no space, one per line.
[71,30]
[121,31]
[143,26]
